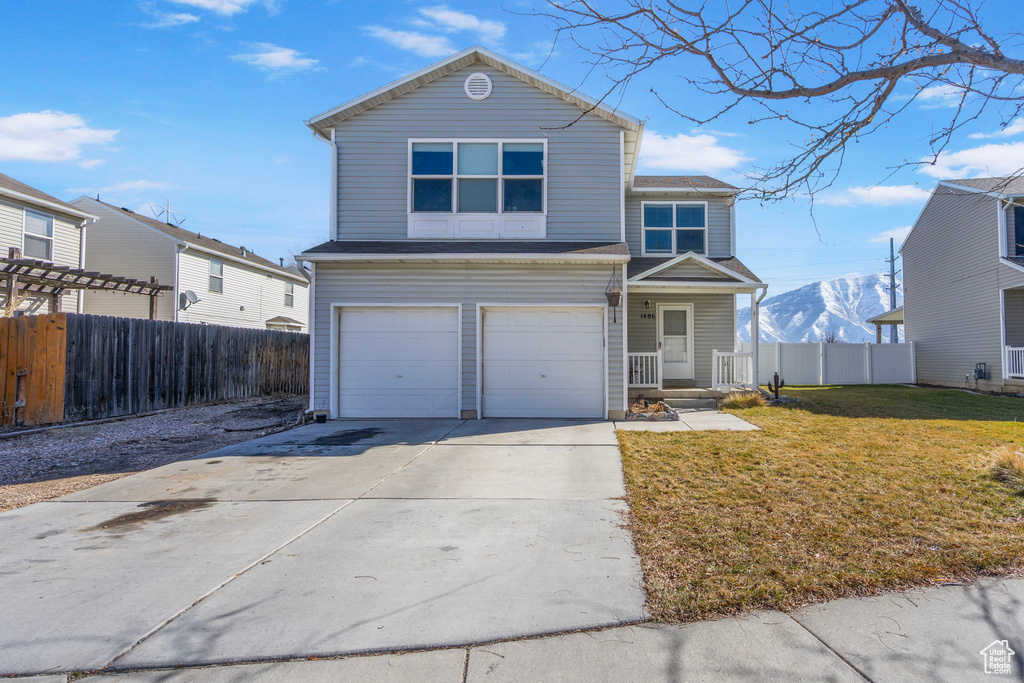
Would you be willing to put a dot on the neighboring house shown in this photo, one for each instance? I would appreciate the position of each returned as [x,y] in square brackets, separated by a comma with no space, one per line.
[963,278]
[45,229]
[481,215]
[232,285]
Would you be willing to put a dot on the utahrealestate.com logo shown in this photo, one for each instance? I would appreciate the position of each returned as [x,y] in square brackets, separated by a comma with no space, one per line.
[997,657]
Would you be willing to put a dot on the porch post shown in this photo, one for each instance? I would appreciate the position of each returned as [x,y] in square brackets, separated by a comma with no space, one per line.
[755,341]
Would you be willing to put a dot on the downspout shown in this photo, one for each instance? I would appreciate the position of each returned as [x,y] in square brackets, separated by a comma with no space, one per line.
[755,335]
[183,247]
[80,307]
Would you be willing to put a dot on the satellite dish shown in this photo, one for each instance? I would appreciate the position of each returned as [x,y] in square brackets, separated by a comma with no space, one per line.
[187,298]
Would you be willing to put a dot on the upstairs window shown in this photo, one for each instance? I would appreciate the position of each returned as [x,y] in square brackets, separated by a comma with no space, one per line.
[672,228]
[216,276]
[477,177]
[1018,231]
[38,241]
[289,294]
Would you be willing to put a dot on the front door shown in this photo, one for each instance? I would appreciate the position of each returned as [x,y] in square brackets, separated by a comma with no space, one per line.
[675,340]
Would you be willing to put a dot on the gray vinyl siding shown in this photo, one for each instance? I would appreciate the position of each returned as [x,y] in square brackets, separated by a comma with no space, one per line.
[115,243]
[583,166]
[1014,313]
[459,284]
[719,222]
[952,279]
[714,326]
[690,270]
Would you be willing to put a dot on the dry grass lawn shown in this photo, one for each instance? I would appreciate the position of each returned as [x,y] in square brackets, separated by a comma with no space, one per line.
[852,491]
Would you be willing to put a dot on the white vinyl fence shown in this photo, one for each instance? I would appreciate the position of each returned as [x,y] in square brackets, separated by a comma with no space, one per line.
[820,363]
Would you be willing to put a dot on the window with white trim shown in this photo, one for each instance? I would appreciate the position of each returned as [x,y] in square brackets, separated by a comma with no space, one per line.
[38,239]
[671,228]
[216,276]
[477,177]
[289,294]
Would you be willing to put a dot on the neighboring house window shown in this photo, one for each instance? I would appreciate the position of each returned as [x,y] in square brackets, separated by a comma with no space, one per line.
[1018,231]
[38,236]
[477,177]
[289,294]
[674,228]
[216,276]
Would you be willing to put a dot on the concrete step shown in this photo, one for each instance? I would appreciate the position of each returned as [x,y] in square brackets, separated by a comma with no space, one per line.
[691,403]
[652,394]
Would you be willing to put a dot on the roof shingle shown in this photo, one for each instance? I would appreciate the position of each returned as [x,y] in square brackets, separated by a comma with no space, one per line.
[680,182]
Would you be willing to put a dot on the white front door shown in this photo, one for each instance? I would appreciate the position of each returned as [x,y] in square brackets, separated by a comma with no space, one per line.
[396,361]
[543,362]
[675,339]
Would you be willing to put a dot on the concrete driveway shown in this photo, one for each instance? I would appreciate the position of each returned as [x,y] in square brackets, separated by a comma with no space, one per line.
[330,539]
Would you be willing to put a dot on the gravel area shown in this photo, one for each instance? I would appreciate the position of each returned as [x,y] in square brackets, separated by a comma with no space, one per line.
[56,462]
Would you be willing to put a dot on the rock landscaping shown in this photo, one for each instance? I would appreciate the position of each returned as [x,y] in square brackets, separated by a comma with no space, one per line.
[645,411]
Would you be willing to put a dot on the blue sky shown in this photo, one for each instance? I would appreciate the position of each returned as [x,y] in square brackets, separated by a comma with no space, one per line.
[202,101]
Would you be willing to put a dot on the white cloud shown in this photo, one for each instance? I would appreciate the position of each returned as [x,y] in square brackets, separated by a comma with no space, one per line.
[226,8]
[413,41]
[936,96]
[276,60]
[877,195]
[899,234]
[169,19]
[692,153]
[1015,127]
[48,136]
[986,160]
[450,20]
[89,163]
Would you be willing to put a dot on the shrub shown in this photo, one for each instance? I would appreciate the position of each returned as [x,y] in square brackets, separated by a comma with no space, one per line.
[739,401]
[1008,468]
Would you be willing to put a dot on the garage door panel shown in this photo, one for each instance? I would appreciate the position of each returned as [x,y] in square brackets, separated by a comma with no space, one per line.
[543,362]
[398,362]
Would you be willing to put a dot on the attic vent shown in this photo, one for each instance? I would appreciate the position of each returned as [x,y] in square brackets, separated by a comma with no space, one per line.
[478,86]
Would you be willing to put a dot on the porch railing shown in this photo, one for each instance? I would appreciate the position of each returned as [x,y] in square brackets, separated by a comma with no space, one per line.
[732,370]
[644,370]
[1015,362]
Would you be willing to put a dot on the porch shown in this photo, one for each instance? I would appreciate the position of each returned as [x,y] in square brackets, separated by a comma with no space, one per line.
[1013,334]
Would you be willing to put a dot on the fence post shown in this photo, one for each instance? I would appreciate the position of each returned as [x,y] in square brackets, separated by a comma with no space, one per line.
[913,362]
[714,370]
[778,358]
[821,364]
[867,361]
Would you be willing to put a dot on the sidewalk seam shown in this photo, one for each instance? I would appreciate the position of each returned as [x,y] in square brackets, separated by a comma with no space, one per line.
[843,659]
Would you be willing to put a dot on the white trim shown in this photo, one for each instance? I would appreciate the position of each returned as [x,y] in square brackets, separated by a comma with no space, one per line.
[311,305]
[673,229]
[25,211]
[336,307]
[1001,222]
[625,340]
[696,286]
[659,334]
[445,66]
[1015,266]
[699,258]
[460,258]
[975,190]
[622,186]
[732,227]
[480,306]
[636,155]
[80,306]
[334,187]
[698,190]
[67,210]
[178,248]
[1002,333]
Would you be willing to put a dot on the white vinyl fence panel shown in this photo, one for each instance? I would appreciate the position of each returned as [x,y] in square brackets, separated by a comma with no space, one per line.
[820,363]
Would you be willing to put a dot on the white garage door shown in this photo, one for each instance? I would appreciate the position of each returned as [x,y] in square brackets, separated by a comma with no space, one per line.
[543,362]
[398,362]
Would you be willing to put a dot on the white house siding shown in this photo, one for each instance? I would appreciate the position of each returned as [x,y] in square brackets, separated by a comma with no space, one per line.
[719,220]
[952,279]
[583,162]
[467,285]
[120,245]
[714,325]
[250,296]
[67,240]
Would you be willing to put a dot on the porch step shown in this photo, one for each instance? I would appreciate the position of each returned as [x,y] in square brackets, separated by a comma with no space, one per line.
[674,393]
[691,403]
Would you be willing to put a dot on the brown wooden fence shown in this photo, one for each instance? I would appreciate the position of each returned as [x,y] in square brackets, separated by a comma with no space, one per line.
[70,367]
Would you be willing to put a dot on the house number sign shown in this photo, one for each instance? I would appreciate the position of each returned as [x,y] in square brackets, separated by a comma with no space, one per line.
[648,316]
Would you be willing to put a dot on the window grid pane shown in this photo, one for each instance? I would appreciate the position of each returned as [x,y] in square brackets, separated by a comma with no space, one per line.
[524,195]
[38,247]
[658,216]
[478,158]
[658,241]
[689,216]
[478,195]
[38,224]
[432,195]
[689,240]
[432,158]
[522,158]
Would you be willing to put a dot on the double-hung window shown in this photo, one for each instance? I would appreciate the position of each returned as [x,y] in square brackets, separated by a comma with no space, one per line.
[469,177]
[672,228]
[38,241]
[289,294]
[216,276]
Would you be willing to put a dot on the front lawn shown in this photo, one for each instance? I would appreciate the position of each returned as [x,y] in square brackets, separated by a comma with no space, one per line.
[852,491]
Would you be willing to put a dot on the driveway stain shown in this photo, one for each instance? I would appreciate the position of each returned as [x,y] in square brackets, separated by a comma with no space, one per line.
[347,437]
[152,511]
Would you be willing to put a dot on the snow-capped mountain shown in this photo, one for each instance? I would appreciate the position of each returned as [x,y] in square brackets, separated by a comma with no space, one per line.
[831,307]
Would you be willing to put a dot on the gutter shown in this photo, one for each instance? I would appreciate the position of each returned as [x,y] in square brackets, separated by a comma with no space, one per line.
[53,206]
[227,257]
[468,258]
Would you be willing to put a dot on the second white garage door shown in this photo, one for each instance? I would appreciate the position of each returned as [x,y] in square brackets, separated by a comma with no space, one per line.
[543,362]
[398,362]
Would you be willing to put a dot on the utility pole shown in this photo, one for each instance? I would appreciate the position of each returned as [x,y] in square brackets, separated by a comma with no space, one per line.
[893,334]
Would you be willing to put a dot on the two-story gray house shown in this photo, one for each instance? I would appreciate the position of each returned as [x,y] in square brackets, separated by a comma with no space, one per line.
[963,279]
[484,220]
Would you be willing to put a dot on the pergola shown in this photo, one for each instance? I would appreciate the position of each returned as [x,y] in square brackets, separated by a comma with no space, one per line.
[23,278]
[893,317]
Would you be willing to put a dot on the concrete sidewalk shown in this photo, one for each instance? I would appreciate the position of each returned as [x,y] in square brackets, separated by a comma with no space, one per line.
[925,635]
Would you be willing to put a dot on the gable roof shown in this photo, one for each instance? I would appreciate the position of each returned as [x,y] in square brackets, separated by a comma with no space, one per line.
[15,189]
[680,182]
[1007,186]
[646,268]
[201,241]
[320,123]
